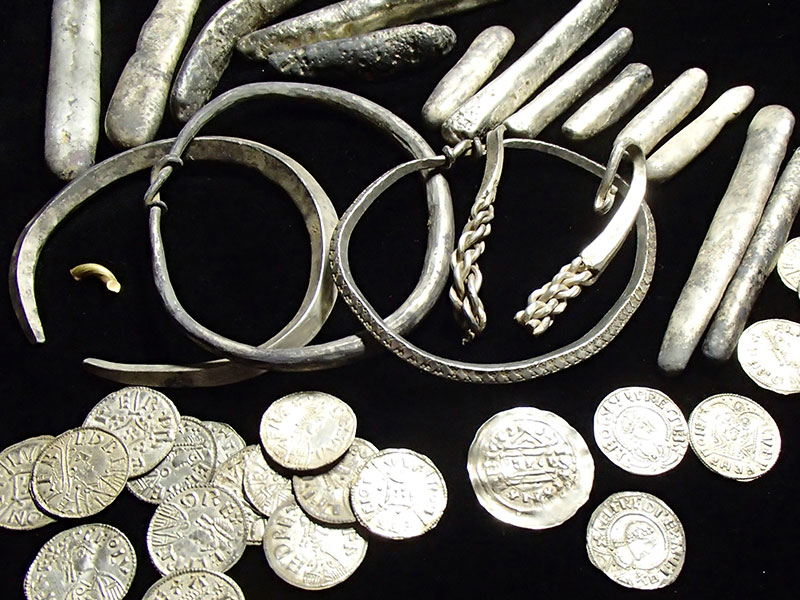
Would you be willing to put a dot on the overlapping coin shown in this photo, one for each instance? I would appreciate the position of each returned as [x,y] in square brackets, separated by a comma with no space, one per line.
[769,352]
[230,476]
[17,508]
[227,441]
[194,585]
[789,264]
[264,487]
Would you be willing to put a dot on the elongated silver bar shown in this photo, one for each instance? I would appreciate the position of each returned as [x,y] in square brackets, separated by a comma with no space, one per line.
[689,142]
[611,103]
[556,98]
[137,105]
[758,262]
[346,19]
[509,90]
[211,52]
[72,124]
[727,238]
[468,74]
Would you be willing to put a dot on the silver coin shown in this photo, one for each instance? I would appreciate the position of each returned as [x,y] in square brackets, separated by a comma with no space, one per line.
[309,555]
[264,487]
[326,496]
[398,494]
[194,585]
[145,420]
[227,440]
[530,468]
[641,430]
[636,540]
[734,436]
[307,430]
[190,462]
[80,473]
[17,508]
[769,352]
[789,264]
[230,476]
[198,528]
[92,561]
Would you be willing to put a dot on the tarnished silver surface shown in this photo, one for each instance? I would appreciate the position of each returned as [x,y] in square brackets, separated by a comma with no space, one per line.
[80,473]
[138,102]
[530,468]
[728,235]
[734,436]
[307,430]
[17,508]
[145,420]
[308,555]
[641,430]
[264,487]
[190,462]
[769,352]
[611,103]
[398,494]
[636,540]
[468,75]
[346,19]
[195,585]
[93,561]
[509,90]
[72,123]
[789,262]
[689,142]
[557,97]
[198,528]
[757,263]
[375,55]
[227,441]
[230,476]
[326,496]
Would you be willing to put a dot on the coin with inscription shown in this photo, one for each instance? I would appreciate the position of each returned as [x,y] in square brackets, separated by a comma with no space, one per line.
[190,462]
[398,494]
[636,540]
[641,430]
[769,352]
[309,555]
[145,420]
[198,528]
[227,440]
[326,496]
[264,487]
[230,476]
[307,430]
[92,561]
[734,436]
[17,508]
[80,473]
[194,585]
[530,468]
[789,264]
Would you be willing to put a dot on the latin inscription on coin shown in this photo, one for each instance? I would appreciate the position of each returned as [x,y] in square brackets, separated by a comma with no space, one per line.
[265,488]
[641,430]
[529,468]
[789,264]
[228,442]
[734,436]
[195,585]
[308,555]
[80,473]
[230,476]
[769,352]
[636,540]
[17,508]
[95,562]
[398,494]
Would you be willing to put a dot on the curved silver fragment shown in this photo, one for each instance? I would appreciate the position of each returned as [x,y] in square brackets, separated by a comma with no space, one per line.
[556,98]
[468,74]
[728,235]
[72,124]
[689,142]
[610,104]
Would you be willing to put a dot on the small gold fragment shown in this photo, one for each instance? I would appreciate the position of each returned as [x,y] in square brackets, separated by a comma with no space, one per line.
[95,270]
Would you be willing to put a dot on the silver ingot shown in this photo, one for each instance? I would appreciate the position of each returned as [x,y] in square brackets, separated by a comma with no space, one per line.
[769,353]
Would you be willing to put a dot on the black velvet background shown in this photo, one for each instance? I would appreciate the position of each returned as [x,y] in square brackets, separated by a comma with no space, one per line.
[239,256]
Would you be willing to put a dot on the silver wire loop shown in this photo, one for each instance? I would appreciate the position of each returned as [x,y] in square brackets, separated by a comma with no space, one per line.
[606,191]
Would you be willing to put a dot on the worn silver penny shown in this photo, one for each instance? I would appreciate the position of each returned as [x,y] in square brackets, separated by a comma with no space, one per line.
[145,420]
[198,528]
[398,494]
[309,555]
[80,473]
[734,436]
[641,430]
[769,352]
[194,585]
[17,508]
[636,540]
[227,440]
[230,476]
[326,496]
[92,561]
[264,487]
[530,468]
[190,462]
[789,264]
